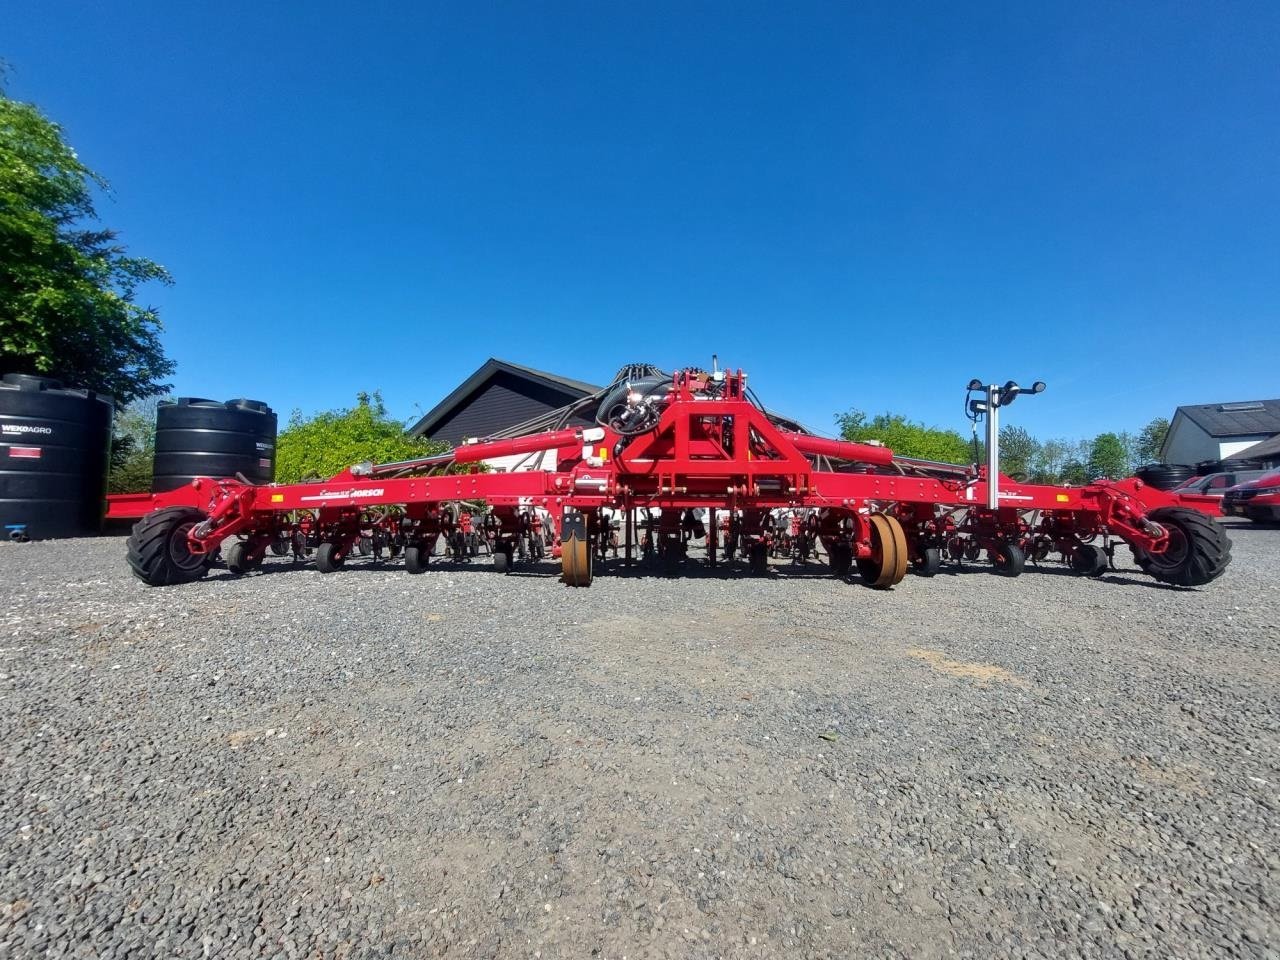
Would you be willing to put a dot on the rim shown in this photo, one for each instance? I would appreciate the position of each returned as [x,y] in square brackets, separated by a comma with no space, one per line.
[180,554]
[1175,554]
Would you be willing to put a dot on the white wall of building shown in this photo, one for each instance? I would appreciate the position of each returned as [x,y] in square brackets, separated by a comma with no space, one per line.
[1236,445]
[525,461]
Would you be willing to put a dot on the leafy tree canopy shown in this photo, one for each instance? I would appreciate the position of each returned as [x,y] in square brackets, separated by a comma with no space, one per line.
[328,443]
[66,285]
[1108,457]
[1018,450]
[906,437]
[1150,440]
[133,447]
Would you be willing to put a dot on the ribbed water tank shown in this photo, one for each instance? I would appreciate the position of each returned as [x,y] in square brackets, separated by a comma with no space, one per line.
[1165,476]
[54,447]
[205,438]
[1206,467]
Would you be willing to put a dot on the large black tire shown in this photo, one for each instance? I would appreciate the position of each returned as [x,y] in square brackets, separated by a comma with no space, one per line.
[1008,559]
[415,559]
[240,560]
[929,562]
[758,559]
[157,550]
[329,557]
[501,561]
[1199,550]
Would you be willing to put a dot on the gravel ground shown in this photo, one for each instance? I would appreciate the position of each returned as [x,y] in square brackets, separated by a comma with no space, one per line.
[370,764]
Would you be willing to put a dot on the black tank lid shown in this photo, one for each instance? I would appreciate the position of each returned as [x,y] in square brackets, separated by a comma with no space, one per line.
[30,382]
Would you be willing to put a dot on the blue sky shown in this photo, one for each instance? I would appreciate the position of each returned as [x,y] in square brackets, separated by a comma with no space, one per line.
[861,204]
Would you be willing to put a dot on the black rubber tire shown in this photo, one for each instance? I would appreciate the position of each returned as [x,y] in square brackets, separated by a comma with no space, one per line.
[929,562]
[364,546]
[329,558]
[758,559]
[157,551]
[393,550]
[1089,560]
[240,561]
[415,559]
[501,561]
[1008,559]
[279,548]
[1199,549]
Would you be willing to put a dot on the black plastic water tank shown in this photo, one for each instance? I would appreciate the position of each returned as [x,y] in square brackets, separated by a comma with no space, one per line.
[1165,476]
[205,438]
[54,446]
[1228,465]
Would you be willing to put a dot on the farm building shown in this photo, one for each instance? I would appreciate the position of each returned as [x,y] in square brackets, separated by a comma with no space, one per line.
[1266,453]
[1216,431]
[499,396]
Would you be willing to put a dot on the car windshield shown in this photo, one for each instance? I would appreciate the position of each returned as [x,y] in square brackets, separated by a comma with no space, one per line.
[1266,475]
[1248,476]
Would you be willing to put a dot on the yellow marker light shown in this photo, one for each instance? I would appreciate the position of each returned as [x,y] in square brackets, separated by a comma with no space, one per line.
[1063,498]
[277,498]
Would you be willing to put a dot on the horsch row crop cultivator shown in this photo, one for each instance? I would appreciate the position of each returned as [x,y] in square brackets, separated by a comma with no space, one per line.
[678,457]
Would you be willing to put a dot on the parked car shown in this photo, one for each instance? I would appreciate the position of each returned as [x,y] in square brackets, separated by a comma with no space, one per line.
[1257,499]
[1217,484]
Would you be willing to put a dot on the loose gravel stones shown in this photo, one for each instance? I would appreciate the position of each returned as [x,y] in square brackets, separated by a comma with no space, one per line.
[368,764]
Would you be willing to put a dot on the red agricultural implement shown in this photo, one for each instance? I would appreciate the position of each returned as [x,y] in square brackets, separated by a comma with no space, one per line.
[685,446]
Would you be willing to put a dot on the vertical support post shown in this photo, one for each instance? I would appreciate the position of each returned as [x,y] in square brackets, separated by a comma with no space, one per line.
[993,447]
[713,539]
[630,516]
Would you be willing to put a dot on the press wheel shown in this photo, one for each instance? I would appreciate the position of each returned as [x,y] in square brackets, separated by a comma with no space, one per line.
[575,562]
[887,564]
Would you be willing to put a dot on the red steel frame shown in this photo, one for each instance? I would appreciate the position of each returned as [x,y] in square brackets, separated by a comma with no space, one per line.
[712,447]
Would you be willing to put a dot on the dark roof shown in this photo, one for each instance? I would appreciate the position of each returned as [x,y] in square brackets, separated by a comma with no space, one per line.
[581,386]
[1266,450]
[488,369]
[1239,419]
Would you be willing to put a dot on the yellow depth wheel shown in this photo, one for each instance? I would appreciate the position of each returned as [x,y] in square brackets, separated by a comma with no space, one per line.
[575,562]
[887,564]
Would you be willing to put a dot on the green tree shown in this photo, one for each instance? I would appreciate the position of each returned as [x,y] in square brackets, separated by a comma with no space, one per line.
[906,437]
[67,287]
[1046,466]
[320,446]
[1074,472]
[1150,440]
[133,447]
[1018,450]
[1108,457]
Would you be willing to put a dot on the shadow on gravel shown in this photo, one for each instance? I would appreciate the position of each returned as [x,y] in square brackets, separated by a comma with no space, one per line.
[695,569]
